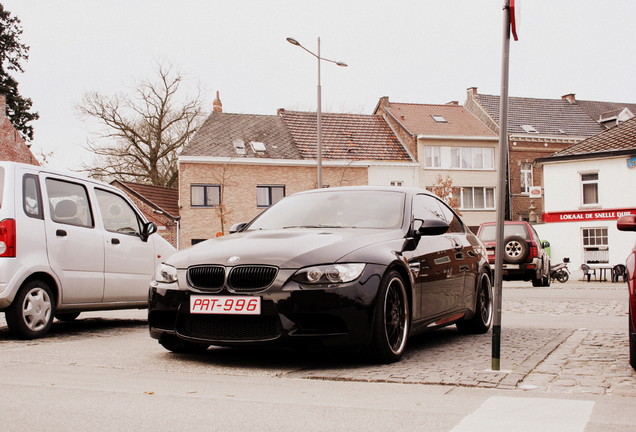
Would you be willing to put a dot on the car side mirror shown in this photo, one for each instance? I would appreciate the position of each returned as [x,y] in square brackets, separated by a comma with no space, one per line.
[432,227]
[148,229]
[237,227]
[626,223]
[545,244]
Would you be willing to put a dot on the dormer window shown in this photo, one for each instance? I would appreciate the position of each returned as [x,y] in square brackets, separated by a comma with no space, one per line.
[239,146]
[529,129]
[258,147]
[439,118]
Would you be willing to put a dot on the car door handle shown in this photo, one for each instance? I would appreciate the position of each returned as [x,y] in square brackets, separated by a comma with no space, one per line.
[114,241]
[60,233]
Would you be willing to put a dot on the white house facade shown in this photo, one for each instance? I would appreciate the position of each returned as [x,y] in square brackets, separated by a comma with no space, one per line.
[587,188]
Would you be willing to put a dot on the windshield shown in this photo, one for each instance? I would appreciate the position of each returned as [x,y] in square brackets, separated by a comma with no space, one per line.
[488,232]
[335,209]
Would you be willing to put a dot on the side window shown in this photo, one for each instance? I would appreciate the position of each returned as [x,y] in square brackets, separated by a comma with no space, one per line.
[69,203]
[117,214]
[455,224]
[32,199]
[427,207]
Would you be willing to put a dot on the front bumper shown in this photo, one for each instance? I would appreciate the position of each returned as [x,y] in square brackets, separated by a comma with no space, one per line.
[331,317]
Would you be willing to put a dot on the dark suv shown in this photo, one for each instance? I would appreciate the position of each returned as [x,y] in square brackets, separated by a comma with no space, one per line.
[525,257]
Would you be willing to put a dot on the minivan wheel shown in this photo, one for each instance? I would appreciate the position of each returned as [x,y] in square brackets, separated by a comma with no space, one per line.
[31,314]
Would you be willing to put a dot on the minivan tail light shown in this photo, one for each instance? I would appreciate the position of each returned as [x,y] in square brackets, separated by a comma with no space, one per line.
[7,238]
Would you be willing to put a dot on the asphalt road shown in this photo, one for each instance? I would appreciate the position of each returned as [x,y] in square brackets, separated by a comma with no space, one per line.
[564,350]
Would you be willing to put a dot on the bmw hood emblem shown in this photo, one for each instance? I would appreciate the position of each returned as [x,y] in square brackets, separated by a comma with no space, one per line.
[233,259]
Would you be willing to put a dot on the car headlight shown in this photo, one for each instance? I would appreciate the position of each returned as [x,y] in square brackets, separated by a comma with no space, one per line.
[166,274]
[329,274]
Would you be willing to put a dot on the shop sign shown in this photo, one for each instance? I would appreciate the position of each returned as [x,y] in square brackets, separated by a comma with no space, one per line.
[631,162]
[585,216]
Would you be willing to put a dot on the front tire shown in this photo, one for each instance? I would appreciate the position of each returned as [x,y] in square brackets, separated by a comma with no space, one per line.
[30,316]
[391,320]
[482,318]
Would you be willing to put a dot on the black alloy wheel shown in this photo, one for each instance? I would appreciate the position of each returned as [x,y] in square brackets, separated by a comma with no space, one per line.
[391,320]
[482,318]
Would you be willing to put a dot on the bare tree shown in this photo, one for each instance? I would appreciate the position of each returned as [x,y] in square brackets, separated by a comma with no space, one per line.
[143,131]
[443,188]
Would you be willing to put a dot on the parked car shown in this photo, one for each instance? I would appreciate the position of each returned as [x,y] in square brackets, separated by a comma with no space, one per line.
[628,223]
[525,257]
[69,245]
[354,267]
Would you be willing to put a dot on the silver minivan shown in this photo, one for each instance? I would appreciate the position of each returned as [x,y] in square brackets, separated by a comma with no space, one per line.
[68,245]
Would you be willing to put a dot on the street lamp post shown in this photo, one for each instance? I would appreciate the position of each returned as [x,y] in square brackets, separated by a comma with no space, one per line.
[319,105]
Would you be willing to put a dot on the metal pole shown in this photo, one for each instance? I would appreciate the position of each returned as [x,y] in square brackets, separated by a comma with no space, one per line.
[501,188]
[319,121]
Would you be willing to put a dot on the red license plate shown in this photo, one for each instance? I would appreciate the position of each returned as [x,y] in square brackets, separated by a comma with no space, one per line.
[232,305]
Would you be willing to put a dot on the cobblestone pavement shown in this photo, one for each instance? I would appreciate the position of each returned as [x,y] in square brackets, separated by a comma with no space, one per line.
[574,361]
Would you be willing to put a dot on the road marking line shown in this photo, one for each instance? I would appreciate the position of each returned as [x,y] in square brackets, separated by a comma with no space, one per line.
[519,414]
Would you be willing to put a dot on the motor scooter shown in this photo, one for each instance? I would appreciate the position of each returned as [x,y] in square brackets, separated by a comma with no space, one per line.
[560,271]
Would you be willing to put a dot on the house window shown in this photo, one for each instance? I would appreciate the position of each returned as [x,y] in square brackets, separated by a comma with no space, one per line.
[477,198]
[469,158]
[432,157]
[526,177]
[595,245]
[589,183]
[439,118]
[268,195]
[205,195]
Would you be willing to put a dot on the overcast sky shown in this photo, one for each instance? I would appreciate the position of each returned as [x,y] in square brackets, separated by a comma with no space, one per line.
[418,51]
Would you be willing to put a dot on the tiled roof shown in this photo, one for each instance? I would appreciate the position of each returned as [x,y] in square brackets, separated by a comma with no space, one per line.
[555,117]
[617,139]
[217,135]
[596,109]
[345,136]
[418,119]
[164,199]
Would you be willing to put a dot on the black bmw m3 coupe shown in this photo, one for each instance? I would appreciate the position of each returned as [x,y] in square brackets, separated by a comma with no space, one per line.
[353,267]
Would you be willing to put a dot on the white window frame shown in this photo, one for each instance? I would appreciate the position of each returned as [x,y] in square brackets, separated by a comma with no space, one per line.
[526,177]
[459,158]
[467,197]
[589,182]
[595,244]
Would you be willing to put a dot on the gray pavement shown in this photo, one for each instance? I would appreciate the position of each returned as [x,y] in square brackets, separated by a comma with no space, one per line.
[570,339]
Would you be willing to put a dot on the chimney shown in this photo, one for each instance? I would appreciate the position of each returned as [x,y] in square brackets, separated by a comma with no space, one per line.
[453,103]
[217,106]
[569,97]
[472,91]
[3,107]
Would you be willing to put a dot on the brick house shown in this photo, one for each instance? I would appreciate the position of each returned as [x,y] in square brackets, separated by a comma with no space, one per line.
[239,164]
[12,145]
[160,205]
[537,128]
[448,141]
